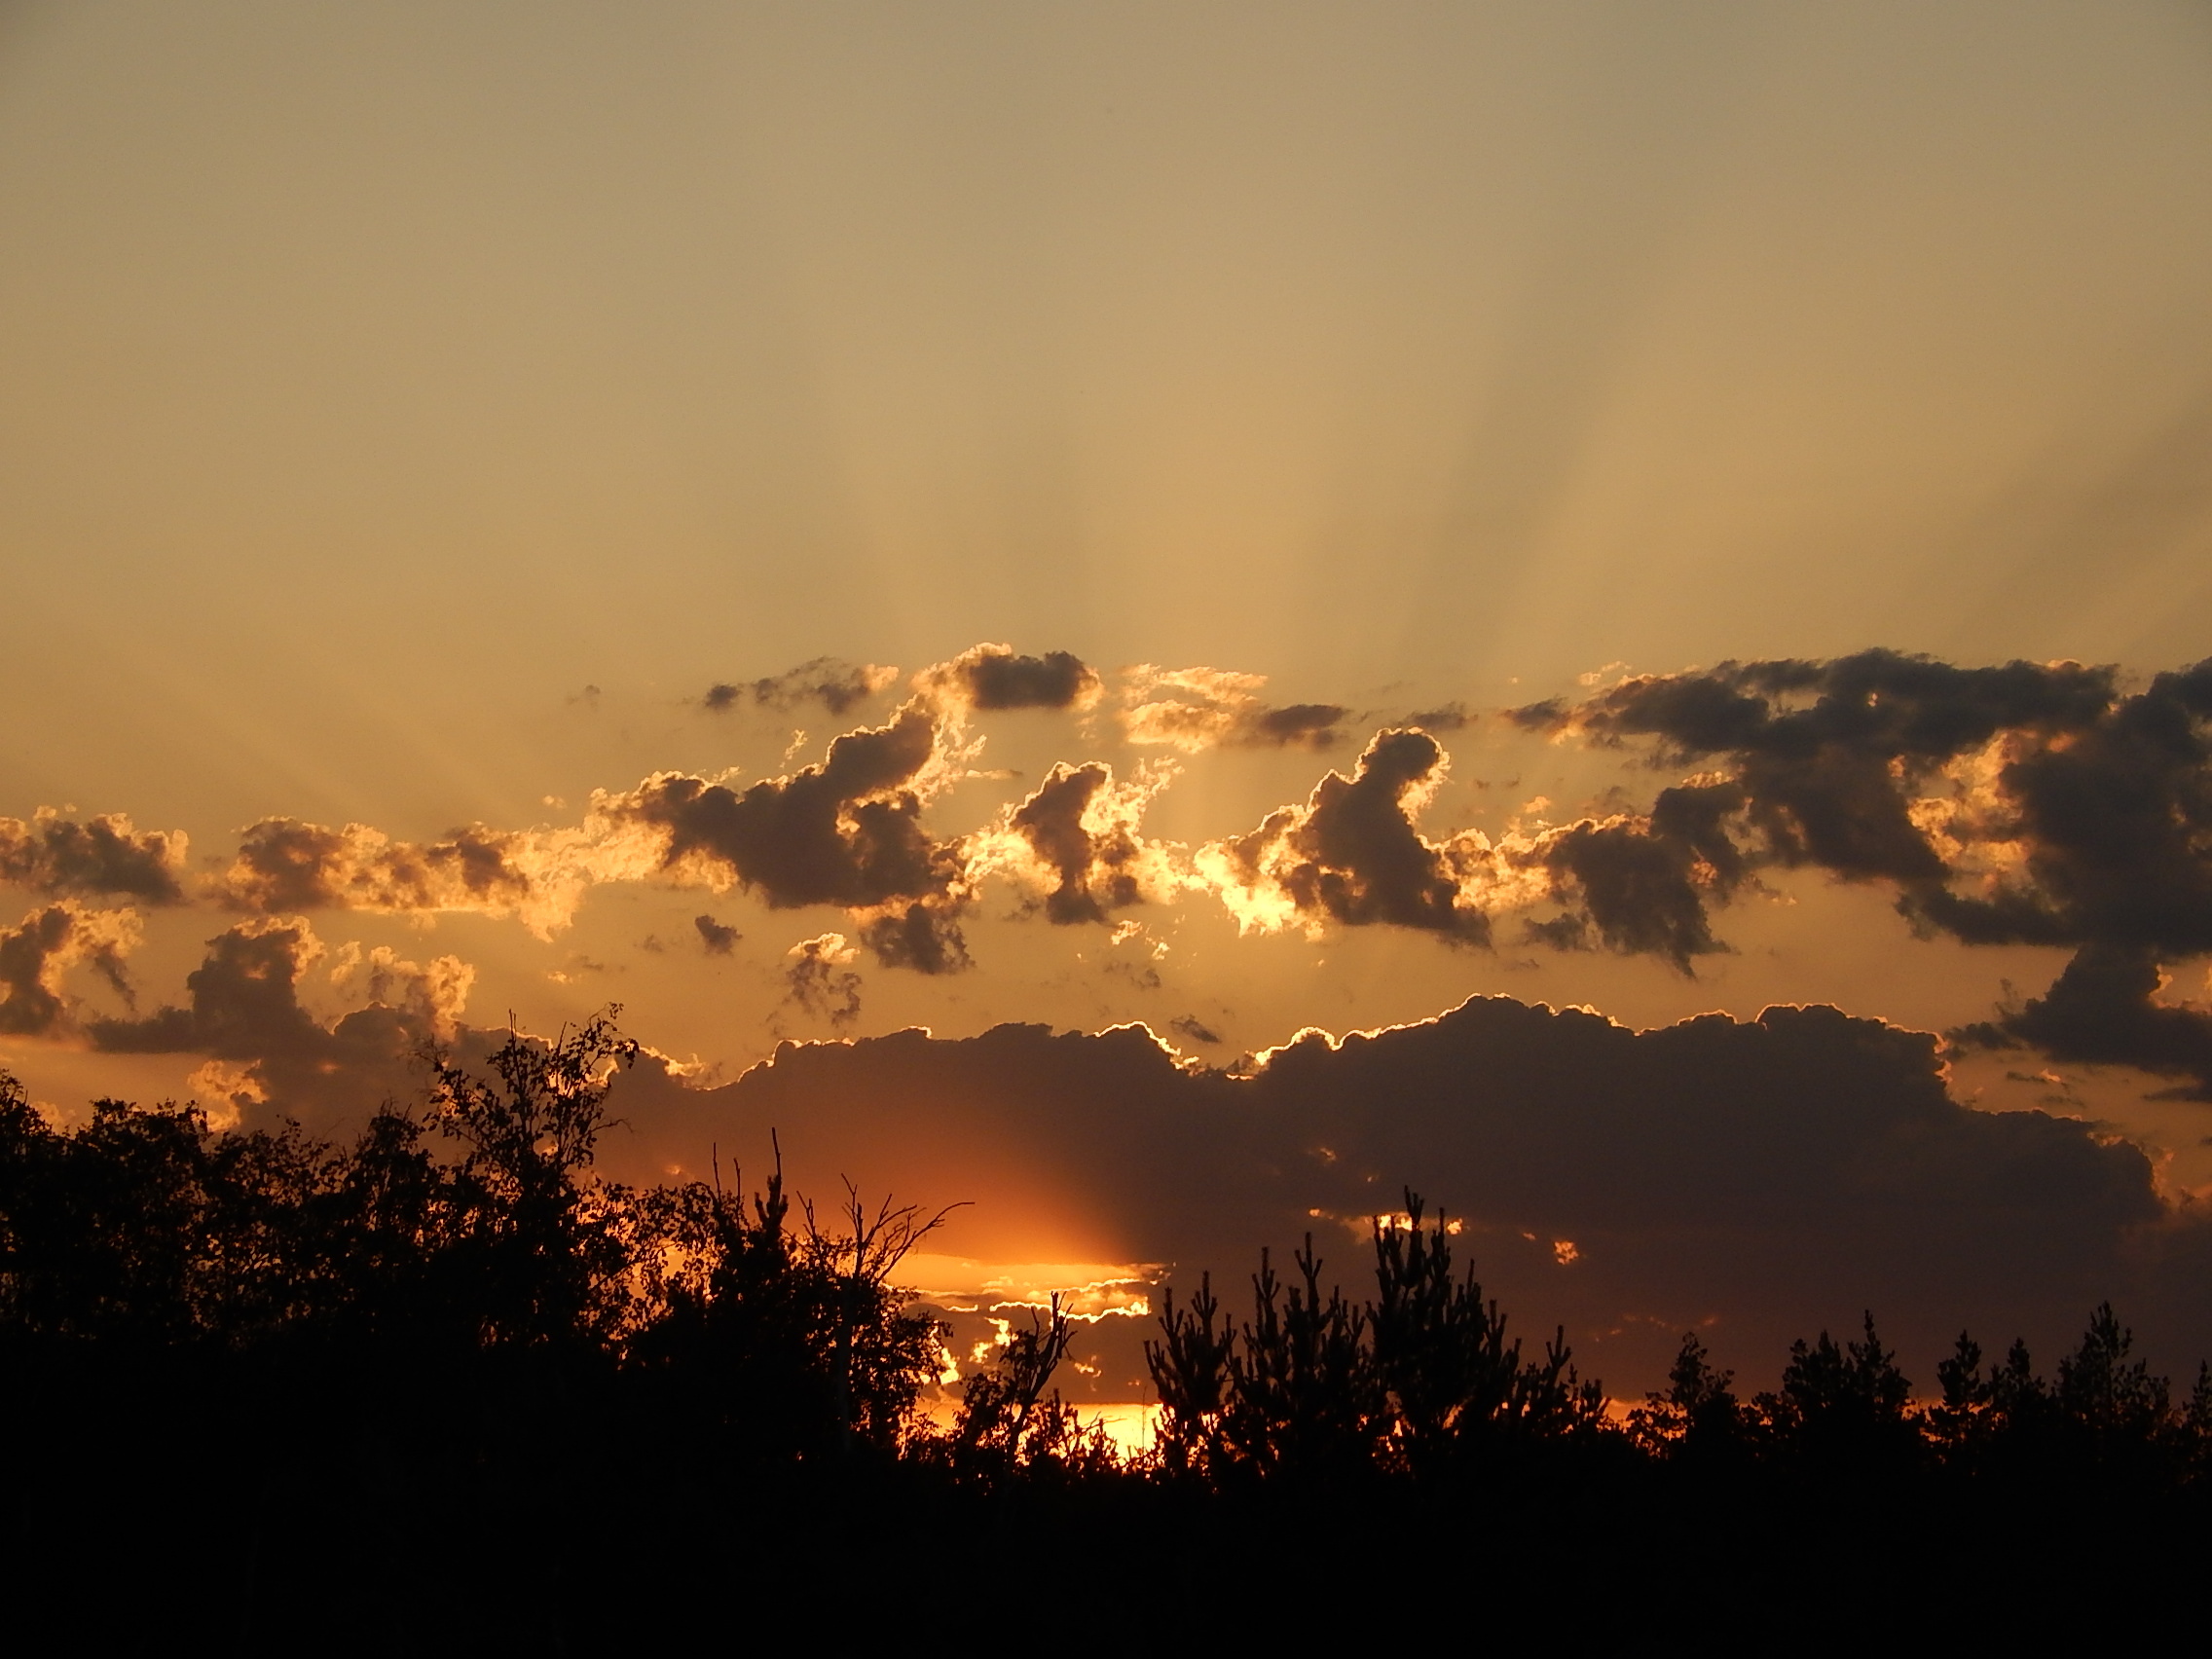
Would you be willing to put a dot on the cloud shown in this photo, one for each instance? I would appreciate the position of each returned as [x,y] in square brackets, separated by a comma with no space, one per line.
[837,685]
[2022,805]
[244,1009]
[716,939]
[1353,855]
[820,979]
[285,864]
[846,833]
[2103,1010]
[1756,1179]
[538,876]
[39,950]
[103,854]
[2003,802]
[1449,717]
[1196,709]
[1643,884]
[920,935]
[995,677]
[1077,840]
[1191,1026]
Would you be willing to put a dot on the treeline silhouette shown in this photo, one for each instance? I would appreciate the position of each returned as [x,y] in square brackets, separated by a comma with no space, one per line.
[446,1388]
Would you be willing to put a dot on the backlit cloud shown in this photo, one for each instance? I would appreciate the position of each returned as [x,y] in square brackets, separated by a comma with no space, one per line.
[1353,855]
[847,832]
[1077,841]
[1752,1178]
[1643,884]
[285,866]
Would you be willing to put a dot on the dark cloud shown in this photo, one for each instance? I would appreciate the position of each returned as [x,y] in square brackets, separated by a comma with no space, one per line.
[922,937]
[715,937]
[846,833]
[244,1002]
[103,854]
[1300,726]
[1833,757]
[995,677]
[2023,804]
[1191,1026]
[2103,1010]
[244,1007]
[819,979]
[837,685]
[1353,853]
[1094,871]
[42,948]
[1755,1179]
[1644,886]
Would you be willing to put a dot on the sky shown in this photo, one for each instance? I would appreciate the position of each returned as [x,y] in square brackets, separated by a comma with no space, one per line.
[1037,554]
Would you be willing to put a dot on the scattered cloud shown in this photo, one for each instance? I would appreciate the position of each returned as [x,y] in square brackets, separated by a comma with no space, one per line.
[1643,885]
[846,833]
[1447,716]
[2104,1009]
[922,936]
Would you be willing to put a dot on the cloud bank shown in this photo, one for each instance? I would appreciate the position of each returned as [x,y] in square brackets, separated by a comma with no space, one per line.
[1753,1179]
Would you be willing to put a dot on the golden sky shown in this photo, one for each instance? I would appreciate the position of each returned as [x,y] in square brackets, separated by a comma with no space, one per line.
[411,416]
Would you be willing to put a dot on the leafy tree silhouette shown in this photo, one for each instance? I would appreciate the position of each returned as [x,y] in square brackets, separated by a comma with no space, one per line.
[1007,1423]
[551,1251]
[307,1348]
[792,1340]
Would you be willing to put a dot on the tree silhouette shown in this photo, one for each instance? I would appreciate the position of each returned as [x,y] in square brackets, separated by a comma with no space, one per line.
[1845,1410]
[550,1247]
[1697,1420]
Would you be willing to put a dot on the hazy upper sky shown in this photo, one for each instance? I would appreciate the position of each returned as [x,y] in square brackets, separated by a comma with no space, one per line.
[409,413]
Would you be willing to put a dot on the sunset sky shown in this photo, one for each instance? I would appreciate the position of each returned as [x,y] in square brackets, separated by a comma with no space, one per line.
[1027,522]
